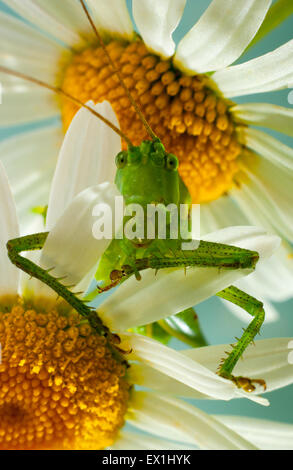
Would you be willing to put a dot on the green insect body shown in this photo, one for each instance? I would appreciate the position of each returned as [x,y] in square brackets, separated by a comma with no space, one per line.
[148,175]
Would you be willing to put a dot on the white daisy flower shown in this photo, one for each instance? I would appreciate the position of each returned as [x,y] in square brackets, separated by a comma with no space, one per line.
[67,386]
[239,174]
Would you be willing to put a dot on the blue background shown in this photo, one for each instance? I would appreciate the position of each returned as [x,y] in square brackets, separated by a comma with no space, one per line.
[218,324]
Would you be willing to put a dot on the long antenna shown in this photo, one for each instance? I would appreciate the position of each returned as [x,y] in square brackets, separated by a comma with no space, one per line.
[61,92]
[132,100]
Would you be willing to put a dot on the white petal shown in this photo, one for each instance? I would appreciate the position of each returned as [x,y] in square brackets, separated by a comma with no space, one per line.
[26,50]
[272,71]
[269,147]
[179,367]
[267,435]
[250,238]
[30,160]
[111,16]
[222,213]
[172,290]
[173,418]
[267,360]
[208,221]
[39,13]
[274,278]
[9,274]
[87,158]
[266,115]
[25,104]
[156,22]
[266,194]
[221,35]
[127,440]
[71,247]
[252,212]
[68,13]
[146,376]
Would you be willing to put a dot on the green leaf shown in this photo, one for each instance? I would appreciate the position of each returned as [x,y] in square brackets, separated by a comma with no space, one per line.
[185,327]
[155,331]
[278,13]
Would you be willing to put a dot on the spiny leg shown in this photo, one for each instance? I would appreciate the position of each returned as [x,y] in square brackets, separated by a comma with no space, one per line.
[206,255]
[255,308]
[36,242]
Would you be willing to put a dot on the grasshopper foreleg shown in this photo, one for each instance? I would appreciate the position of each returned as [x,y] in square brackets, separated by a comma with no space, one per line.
[36,242]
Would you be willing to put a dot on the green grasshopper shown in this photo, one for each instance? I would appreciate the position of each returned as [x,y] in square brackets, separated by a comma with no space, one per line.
[149,175]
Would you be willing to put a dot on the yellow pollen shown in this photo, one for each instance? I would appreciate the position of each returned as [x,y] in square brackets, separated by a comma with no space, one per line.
[60,385]
[192,122]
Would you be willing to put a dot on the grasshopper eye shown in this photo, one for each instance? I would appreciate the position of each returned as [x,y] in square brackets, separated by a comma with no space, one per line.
[121,160]
[171,162]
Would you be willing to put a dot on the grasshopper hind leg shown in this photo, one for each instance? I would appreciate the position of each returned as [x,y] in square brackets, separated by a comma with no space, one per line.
[255,308]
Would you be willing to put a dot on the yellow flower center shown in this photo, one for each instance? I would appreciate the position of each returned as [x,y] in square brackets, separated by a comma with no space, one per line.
[60,385]
[191,120]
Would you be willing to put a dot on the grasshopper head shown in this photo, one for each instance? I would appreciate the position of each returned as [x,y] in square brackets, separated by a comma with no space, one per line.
[148,175]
